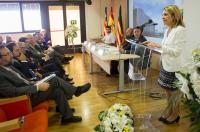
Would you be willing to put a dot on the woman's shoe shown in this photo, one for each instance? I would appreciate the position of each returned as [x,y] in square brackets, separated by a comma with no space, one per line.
[161,119]
[172,122]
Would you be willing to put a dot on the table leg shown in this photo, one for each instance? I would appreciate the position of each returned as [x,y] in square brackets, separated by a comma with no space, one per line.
[121,75]
[91,64]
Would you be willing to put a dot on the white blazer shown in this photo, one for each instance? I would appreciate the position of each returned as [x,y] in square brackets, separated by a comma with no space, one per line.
[173,49]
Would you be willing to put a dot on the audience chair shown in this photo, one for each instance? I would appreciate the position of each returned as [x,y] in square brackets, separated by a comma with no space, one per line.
[16,115]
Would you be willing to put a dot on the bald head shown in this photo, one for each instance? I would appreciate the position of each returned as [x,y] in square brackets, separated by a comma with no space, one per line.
[129,31]
[30,39]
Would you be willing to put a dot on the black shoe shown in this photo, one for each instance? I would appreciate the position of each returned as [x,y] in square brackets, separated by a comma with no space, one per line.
[68,79]
[192,119]
[65,62]
[68,58]
[69,97]
[172,122]
[70,120]
[82,89]
[57,109]
[161,119]
[71,83]
[108,75]
[66,75]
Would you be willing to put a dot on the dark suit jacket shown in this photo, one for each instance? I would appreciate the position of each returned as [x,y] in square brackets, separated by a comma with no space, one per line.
[39,48]
[34,52]
[24,68]
[139,51]
[127,45]
[11,85]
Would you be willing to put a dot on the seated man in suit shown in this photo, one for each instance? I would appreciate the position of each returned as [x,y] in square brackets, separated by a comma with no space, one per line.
[8,39]
[29,69]
[46,38]
[139,39]
[137,35]
[53,51]
[35,55]
[126,48]
[133,34]
[34,47]
[126,45]
[14,84]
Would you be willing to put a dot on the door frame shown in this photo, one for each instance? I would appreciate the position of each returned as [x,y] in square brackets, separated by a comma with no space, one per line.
[45,15]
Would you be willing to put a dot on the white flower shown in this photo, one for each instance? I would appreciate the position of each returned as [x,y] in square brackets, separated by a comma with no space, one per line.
[195,79]
[197,64]
[108,129]
[191,69]
[184,85]
[119,117]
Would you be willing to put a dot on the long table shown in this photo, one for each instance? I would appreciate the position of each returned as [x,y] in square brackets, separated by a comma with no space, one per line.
[103,54]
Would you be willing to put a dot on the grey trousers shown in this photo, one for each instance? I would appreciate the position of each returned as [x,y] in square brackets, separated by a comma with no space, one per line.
[58,91]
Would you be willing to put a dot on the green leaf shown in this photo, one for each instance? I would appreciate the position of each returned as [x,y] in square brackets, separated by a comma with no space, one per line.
[102,115]
[194,107]
[99,128]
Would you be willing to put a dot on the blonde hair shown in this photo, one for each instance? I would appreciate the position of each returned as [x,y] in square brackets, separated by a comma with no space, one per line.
[175,12]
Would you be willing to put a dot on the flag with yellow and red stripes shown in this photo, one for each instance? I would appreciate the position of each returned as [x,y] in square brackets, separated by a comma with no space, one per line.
[105,22]
[120,33]
[111,22]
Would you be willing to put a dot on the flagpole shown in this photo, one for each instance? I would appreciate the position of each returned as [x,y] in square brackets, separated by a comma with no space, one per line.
[120,33]
[100,17]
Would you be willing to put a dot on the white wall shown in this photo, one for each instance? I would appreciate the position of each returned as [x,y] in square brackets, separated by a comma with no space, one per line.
[192,20]
[95,15]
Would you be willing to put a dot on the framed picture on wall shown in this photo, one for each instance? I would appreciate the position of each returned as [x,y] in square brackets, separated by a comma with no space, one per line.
[148,14]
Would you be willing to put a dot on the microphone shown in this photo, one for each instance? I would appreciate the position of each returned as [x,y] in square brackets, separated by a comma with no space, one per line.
[154,24]
[150,21]
[146,23]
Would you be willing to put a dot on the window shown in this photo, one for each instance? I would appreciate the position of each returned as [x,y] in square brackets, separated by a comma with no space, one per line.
[10,17]
[31,16]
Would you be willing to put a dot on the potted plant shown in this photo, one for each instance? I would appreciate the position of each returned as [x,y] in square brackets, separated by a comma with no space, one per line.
[189,84]
[71,33]
[118,118]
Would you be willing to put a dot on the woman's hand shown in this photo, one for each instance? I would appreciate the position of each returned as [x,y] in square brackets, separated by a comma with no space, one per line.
[151,44]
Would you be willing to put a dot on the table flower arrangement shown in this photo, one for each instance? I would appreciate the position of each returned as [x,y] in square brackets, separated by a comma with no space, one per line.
[189,84]
[118,118]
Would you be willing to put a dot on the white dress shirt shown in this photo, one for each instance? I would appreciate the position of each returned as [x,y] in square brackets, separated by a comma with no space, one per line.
[109,38]
[174,49]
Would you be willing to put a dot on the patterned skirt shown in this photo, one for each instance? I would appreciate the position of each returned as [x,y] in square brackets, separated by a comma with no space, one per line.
[167,79]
